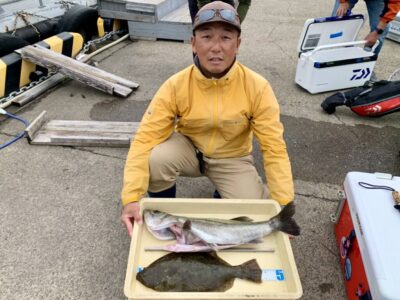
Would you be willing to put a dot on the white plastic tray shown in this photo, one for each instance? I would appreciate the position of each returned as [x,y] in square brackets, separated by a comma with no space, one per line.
[281,259]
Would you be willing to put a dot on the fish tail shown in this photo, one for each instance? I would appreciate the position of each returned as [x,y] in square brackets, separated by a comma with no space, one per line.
[249,270]
[284,221]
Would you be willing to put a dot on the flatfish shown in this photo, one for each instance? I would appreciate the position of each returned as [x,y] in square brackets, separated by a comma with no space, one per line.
[196,272]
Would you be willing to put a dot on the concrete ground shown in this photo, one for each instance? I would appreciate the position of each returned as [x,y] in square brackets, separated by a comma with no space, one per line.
[60,233]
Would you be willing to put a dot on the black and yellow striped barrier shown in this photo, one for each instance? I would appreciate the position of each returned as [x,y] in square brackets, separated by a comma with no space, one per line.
[107,25]
[15,72]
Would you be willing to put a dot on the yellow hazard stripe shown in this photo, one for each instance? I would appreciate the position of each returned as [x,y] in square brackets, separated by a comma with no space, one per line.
[116,25]
[77,43]
[26,69]
[55,43]
[3,73]
[15,72]
[100,27]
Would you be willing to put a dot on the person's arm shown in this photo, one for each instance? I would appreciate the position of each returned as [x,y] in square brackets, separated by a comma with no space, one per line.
[242,9]
[343,8]
[156,126]
[389,12]
[268,130]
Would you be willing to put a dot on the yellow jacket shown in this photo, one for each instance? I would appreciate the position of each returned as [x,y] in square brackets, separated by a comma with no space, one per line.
[219,116]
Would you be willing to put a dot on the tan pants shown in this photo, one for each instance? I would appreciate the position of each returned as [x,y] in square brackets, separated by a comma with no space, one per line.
[234,178]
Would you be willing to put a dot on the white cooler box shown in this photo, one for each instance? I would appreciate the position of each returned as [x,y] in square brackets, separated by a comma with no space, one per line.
[394,29]
[330,58]
[367,232]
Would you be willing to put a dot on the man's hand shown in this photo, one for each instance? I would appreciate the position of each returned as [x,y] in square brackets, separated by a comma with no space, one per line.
[342,9]
[131,213]
[371,38]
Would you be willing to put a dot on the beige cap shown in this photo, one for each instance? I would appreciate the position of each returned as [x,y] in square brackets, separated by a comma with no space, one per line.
[217,11]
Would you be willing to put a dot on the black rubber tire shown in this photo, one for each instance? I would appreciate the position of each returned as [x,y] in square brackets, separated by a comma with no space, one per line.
[46,29]
[80,19]
[9,43]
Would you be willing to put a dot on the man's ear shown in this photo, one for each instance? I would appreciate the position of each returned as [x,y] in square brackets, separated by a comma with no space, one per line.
[238,44]
[193,41]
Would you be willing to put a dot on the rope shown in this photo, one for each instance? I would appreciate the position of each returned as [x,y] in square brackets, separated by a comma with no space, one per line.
[376,187]
[19,135]
[395,194]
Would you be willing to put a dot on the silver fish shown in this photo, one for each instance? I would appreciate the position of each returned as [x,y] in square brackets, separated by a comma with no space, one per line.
[197,234]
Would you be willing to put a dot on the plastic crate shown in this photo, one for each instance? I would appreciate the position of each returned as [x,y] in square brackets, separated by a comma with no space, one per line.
[285,286]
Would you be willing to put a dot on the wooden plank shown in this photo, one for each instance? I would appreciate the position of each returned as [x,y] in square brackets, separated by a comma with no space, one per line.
[62,61]
[84,73]
[90,141]
[121,90]
[42,87]
[86,133]
[37,90]
[33,128]
[91,126]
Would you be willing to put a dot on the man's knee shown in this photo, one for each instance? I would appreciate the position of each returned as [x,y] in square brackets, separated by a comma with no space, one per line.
[159,162]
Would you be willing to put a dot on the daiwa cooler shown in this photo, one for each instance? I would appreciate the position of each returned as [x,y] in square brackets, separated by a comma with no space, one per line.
[394,29]
[330,58]
[367,232]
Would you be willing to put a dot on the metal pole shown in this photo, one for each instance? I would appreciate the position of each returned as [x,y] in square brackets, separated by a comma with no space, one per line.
[41,4]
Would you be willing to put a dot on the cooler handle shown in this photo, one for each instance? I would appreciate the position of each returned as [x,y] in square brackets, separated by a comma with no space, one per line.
[338,45]
[346,44]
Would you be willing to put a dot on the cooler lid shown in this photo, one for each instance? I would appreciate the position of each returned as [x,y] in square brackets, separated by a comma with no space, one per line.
[330,30]
[377,226]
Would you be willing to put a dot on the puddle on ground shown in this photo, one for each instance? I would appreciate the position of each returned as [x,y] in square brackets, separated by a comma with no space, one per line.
[119,110]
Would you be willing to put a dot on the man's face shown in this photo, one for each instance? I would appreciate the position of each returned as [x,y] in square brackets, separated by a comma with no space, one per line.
[216,45]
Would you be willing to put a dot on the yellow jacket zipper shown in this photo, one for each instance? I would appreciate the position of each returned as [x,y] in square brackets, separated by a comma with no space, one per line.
[211,146]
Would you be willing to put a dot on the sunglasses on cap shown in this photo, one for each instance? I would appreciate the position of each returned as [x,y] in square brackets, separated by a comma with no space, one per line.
[226,14]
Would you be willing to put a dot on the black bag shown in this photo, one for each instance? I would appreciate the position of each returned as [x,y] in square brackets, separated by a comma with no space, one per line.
[374,99]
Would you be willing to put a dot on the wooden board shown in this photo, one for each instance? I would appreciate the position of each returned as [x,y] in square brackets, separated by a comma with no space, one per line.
[85,133]
[86,74]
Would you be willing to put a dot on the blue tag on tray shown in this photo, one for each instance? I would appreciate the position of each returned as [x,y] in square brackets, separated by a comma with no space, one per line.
[272,275]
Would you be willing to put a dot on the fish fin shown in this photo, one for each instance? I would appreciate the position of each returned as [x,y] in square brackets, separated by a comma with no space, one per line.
[243,219]
[256,241]
[249,270]
[214,254]
[287,212]
[187,225]
[214,247]
[226,286]
[286,223]
[290,227]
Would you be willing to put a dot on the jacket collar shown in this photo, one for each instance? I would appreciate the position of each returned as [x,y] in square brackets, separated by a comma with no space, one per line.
[226,79]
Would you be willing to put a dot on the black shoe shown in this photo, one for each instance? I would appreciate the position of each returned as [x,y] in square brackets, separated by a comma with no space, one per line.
[169,193]
[216,195]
